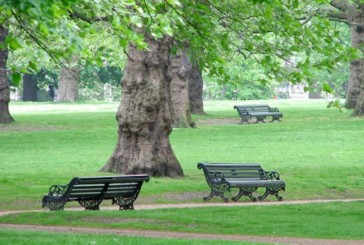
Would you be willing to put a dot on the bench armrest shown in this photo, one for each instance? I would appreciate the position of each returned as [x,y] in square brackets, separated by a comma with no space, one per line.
[57,190]
[273,109]
[219,177]
[272,175]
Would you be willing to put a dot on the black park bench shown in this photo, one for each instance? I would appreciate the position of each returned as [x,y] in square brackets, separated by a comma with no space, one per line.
[91,191]
[260,112]
[221,177]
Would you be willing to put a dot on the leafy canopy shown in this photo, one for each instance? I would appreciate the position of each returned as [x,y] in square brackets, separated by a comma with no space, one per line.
[286,37]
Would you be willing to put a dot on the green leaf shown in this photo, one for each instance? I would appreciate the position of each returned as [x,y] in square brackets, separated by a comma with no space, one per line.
[33,66]
[327,88]
[15,78]
[13,42]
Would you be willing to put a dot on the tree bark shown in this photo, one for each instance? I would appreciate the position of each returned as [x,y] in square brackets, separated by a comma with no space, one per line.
[356,66]
[196,91]
[145,114]
[68,82]
[30,88]
[359,108]
[352,13]
[181,69]
[5,116]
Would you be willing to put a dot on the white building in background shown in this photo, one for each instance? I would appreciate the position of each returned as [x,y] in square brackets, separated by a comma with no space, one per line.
[292,91]
[297,91]
[14,94]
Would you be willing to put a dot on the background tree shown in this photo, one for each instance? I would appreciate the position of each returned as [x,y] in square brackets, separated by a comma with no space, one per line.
[68,81]
[195,90]
[5,116]
[30,87]
[179,89]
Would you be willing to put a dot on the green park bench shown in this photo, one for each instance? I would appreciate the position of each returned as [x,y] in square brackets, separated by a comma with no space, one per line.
[221,177]
[260,112]
[91,191]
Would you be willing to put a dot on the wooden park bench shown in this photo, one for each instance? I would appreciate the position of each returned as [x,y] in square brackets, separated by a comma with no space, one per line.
[260,112]
[91,191]
[221,177]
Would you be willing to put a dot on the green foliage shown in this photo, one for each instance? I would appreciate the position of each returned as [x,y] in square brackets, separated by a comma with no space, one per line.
[15,78]
[247,91]
[91,74]
[269,33]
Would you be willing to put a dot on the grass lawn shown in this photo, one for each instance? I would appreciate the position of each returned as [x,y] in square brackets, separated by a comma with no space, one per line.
[317,151]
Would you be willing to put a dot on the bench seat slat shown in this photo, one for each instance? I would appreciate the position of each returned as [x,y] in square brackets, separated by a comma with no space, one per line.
[257,183]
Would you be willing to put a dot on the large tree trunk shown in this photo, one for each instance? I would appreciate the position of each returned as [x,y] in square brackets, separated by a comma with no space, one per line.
[181,69]
[145,115]
[68,82]
[30,88]
[353,13]
[356,66]
[5,116]
[196,91]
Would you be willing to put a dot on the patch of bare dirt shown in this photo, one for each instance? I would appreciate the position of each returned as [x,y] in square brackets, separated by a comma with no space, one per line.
[222,121]
[27,128]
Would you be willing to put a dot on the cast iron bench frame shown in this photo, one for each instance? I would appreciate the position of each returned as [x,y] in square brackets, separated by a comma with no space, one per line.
[91,191]
[260,112]
[247,177]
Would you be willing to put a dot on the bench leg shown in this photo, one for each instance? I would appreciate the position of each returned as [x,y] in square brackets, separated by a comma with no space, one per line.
[276,119]
[244,119]
[261,119]
[54,206]
[245,192]
[218,190]
[212,194]
[90,204]
[125,203]
[271,191]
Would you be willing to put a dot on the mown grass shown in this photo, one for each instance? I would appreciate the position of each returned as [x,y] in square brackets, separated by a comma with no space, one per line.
[317,151]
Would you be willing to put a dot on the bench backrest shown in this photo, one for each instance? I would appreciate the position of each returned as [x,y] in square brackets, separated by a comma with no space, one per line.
[105,187]
[244,109]
[248,171]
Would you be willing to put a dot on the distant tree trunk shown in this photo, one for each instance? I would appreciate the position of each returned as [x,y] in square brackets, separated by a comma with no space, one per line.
[196,91]
[181,69]
[68,82]
[145,114]
[5,116]
[30,88]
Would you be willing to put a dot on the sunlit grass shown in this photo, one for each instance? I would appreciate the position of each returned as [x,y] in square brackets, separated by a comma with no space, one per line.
[316,150]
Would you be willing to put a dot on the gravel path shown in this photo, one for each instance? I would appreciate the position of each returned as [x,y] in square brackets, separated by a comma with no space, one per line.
[185,235]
